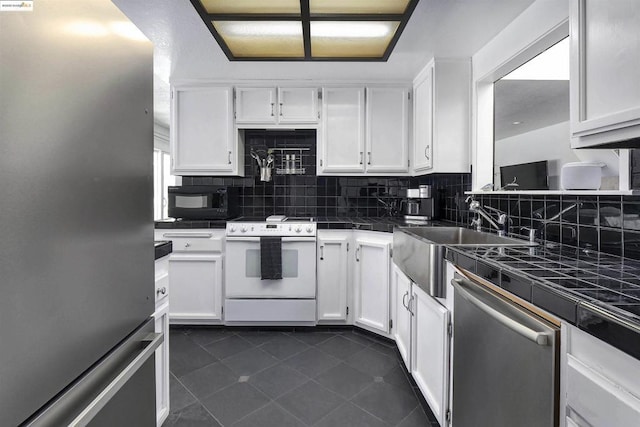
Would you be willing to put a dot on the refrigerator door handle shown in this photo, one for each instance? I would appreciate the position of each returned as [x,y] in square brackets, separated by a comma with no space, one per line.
[153,341]
[539,338]
[60,411]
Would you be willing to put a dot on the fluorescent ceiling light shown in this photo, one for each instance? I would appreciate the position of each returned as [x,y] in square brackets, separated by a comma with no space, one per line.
[552,64]
[261,28]
[350,29]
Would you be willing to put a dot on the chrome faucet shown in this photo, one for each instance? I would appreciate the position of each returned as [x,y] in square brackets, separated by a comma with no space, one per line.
[481,212]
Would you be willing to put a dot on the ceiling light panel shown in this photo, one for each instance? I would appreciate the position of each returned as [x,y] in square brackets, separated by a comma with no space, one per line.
[351,39]
[364,7]
[234,7]
[293,30]
[262,39]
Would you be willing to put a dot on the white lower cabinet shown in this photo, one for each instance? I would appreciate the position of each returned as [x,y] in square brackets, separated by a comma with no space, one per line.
[196,293]
[332,277]
[195,274]
[161,317]
[600,384]
[371,281]
[430,351]
[401,297]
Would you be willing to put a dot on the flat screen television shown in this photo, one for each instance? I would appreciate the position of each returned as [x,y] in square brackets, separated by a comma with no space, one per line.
[528,176]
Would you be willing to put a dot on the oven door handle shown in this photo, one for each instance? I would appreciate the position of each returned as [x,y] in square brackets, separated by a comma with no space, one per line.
[284,239]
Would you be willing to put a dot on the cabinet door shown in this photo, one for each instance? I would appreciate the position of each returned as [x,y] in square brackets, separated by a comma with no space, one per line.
[372,285]
[202,131]
[298,105]
[430,345]
[597,400]
[423,123]
[401,288]
[161,316]
[196,288]
[256,105]
[387,130]
[342,130]
[604,84]
[332,276]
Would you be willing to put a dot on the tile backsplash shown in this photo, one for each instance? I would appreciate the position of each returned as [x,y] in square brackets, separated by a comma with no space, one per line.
[327,196]
[609,224]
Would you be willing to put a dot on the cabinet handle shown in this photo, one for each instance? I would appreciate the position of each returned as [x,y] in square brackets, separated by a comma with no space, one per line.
[272,109]
[357,253]
[361,154]
[369,157]
[404,297]
[281,109]
[162,291]
[187,245]
[409,305]
[426,152]
[321,252]
[229,156]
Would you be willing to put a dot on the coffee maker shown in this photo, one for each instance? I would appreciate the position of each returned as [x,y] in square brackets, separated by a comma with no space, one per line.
[420,205]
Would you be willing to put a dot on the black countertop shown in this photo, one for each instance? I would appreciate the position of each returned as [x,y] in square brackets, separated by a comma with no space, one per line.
[163,248]
[596,292]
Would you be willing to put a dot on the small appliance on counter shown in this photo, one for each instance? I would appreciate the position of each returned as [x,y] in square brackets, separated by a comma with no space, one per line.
[203,202]
[420,205]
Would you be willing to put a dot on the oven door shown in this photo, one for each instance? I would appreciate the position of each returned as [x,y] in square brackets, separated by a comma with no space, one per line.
[242,278]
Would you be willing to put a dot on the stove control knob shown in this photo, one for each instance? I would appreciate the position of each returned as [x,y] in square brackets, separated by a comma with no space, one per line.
[309,229]
[232,228]
[244,229]
[298,229]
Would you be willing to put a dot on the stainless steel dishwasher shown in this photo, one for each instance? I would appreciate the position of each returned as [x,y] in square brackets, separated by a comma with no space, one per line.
[505,362]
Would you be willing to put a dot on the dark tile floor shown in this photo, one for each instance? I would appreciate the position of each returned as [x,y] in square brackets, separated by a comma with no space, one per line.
[240,377]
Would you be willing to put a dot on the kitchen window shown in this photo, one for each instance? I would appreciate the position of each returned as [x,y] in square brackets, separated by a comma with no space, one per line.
[162,178]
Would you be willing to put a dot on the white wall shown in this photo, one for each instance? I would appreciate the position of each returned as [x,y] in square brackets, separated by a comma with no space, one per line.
[549,143]
[526,36]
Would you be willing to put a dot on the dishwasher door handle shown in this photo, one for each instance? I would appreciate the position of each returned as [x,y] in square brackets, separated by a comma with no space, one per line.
[540,338]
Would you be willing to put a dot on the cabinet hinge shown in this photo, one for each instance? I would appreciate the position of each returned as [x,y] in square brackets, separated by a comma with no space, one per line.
[320,162]
[448,416]
[408,162]
[390,323]
[222,310]
[347,251]
[450,329]
[347,311]
[390,252]
[409,96]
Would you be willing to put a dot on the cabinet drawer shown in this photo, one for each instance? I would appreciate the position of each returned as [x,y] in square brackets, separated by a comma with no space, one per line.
[194,242]
[596,400]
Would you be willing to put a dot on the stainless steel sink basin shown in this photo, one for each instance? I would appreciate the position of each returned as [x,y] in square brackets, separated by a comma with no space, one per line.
[419,251]
[459,236]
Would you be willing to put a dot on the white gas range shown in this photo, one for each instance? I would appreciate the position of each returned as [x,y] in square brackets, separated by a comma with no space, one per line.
[252,298]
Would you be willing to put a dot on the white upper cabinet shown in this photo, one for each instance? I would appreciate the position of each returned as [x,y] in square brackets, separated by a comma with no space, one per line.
[441,121]
[256,105]
[203,139]
[342,141]
[268,105]
[605,58]
[298,105]
[364,132]
[387,130]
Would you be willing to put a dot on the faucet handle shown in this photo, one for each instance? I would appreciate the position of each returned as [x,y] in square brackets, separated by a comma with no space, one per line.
[531,231]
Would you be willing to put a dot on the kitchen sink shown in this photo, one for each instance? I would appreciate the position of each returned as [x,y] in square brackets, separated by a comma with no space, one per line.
[459,236]
[419,251]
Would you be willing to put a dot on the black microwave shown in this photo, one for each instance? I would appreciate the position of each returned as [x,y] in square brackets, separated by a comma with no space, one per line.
[203,202]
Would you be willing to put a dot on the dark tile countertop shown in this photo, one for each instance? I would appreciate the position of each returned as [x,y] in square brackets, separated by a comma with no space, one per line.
[163,248]
[596,292]
[384,224]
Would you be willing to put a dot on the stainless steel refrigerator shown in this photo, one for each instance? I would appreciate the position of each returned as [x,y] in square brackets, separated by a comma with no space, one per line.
[76,217]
